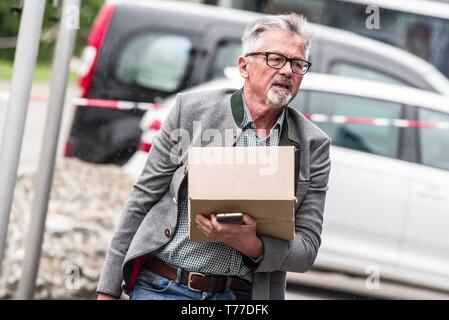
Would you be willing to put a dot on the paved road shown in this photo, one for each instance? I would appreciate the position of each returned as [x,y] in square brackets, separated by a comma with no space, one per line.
[331,285]
[35,123]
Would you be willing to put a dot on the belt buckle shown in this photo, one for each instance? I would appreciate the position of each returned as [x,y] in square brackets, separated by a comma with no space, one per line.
[189,280]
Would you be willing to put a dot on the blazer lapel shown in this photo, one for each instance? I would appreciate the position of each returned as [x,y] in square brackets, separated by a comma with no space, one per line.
[289,139]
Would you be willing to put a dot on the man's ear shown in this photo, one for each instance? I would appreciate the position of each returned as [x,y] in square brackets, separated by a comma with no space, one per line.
[243,66]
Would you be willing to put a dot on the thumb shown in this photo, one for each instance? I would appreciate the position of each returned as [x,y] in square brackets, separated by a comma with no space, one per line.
[247,219]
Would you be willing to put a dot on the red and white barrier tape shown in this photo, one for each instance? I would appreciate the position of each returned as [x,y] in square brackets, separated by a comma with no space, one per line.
[96,103]
[377,121]
[113,104]
[129,105]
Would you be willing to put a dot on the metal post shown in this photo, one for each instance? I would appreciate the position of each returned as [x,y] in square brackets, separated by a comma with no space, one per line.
[61,63]
[24,64]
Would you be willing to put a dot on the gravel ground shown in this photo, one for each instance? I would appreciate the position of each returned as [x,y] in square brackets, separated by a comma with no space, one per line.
[85,205]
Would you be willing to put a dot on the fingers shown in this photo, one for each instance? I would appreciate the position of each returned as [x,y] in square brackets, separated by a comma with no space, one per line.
[199,218]
[204,224]
[247,219]
[212,223]
[212,229]
[204,230]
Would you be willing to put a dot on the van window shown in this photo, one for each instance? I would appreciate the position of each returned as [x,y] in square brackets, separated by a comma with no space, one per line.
[434,143]
[155,61]
[356,71]
[226,56]
[380,140]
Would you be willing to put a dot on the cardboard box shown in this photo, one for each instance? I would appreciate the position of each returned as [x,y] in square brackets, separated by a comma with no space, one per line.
[254,180]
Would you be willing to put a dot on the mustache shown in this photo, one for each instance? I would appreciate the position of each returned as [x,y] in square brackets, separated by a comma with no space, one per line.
[286,80]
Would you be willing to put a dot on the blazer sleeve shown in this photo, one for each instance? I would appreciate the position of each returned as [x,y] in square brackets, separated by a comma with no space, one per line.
[153,182]
[299,254]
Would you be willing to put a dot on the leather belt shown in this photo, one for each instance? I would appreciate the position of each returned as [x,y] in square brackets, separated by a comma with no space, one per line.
[196,281]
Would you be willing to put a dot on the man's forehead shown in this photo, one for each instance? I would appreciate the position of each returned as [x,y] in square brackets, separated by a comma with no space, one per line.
[273,43]
[276,33]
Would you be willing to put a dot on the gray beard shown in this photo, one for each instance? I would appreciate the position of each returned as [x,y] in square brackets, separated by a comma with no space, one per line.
[278,99]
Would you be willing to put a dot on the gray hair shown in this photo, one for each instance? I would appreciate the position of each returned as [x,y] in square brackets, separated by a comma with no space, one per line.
[252,38]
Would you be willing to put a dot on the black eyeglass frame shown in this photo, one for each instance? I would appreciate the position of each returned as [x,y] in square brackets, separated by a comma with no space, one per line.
[266,54]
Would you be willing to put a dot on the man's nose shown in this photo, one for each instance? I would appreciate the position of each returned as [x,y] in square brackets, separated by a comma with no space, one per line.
[287,68]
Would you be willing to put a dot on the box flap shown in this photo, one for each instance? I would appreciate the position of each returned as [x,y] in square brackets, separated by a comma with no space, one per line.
[274,217]
[241,173]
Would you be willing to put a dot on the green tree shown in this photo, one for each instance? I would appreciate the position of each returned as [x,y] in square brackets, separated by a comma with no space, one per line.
[9,28]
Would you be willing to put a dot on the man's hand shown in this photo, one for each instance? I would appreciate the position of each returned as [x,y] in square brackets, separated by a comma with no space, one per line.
[103,296]
[242,237]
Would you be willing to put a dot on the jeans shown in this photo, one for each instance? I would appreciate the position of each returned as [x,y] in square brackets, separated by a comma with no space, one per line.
[151,286]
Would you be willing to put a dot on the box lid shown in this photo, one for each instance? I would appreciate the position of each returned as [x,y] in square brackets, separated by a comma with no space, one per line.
[241,173]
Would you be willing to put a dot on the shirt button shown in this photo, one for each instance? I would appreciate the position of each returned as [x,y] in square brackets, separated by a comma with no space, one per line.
[168,232]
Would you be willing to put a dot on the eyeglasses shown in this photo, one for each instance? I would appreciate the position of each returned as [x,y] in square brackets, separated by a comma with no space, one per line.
[278,61]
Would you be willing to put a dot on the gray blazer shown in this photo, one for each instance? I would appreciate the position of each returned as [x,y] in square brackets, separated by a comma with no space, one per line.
[149,217]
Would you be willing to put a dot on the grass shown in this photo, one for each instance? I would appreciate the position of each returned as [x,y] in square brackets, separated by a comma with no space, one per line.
[42,73]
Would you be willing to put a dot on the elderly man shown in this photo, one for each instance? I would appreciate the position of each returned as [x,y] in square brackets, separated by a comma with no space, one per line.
[151,256]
